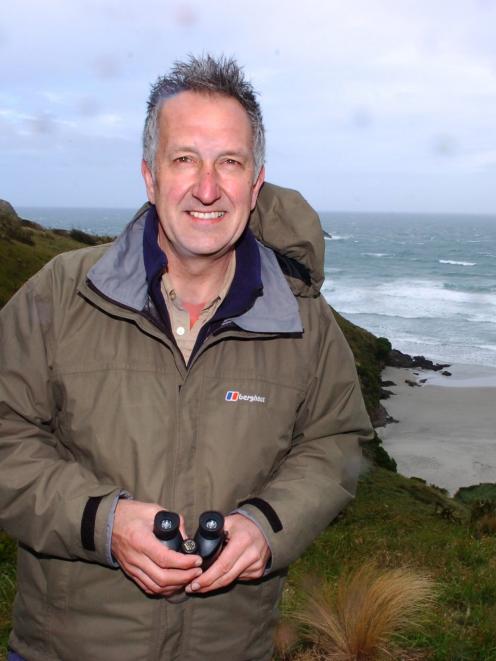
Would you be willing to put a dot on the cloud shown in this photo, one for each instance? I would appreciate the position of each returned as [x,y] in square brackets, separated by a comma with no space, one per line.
[41,124]
[346,88]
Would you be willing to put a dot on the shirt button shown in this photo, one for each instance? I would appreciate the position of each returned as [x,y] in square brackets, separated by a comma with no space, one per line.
[180,330]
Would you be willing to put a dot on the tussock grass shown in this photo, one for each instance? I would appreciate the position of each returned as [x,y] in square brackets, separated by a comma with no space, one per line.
[356,619]
[7,588]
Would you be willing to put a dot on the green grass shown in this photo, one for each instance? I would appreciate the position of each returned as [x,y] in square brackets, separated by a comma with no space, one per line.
[396,522]
[7,588]
[24,250]
[484,492]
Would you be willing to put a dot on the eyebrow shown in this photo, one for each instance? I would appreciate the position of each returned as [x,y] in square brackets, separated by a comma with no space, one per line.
[228,152]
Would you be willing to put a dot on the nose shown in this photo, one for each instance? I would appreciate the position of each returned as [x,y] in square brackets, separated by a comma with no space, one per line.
[206,189]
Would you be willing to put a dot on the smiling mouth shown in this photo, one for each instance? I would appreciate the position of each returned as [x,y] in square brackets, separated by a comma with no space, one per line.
[207,215]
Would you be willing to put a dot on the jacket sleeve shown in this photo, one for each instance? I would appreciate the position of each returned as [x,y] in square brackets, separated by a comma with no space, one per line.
[47,501]
[318,477]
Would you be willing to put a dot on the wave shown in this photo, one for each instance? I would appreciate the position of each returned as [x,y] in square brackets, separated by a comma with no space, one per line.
[452,261]
[338,237]
[375,254]
[472,289]
[411,299]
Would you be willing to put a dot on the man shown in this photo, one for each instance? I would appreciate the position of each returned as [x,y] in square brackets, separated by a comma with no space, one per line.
[188,367]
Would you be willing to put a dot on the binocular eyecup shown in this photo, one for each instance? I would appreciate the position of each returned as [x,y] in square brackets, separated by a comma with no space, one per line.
[207,542]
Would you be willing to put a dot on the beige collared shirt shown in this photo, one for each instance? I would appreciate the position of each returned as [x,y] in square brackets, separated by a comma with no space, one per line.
[179,317]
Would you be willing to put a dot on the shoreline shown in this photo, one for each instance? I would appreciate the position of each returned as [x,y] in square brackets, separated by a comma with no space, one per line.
[446,429]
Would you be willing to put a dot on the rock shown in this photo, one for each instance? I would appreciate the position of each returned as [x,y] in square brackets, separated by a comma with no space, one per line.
[412,383]
[7,210]
[422,380]
[381,417]
[385,394]
[446,373]
[396,358]
[326,234]
[32,224]
[11,228]
[387,384]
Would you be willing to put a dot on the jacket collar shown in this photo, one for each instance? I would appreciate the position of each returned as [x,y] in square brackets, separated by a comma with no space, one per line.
[259,299]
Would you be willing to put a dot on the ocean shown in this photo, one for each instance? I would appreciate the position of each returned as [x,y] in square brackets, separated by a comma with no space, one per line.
[425,281]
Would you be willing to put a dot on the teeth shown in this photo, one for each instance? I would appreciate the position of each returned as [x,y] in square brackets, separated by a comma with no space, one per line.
[210,215]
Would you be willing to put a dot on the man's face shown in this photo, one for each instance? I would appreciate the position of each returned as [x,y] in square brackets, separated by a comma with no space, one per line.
[204,186]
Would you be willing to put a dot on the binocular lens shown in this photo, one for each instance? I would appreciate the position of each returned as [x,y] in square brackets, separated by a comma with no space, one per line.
[165,524]
[211,524]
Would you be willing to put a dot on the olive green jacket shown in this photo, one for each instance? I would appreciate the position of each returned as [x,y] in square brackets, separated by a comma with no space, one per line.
[95,399]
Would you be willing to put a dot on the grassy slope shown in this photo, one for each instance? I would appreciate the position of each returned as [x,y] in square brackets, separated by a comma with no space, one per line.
[19,261]
[24,250]
[398,521]
[7,588]
[393,519]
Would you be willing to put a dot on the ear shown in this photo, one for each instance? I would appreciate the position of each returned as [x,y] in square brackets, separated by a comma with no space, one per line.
[257,186]
[149,182]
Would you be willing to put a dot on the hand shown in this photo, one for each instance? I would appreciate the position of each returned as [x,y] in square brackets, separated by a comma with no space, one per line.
[150,564]
[244,557]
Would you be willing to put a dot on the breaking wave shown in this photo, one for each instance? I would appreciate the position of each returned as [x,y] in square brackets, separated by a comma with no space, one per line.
[452,261]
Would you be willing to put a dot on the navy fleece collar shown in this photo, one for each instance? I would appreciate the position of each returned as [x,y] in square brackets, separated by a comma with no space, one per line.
[247,281]
[130,271]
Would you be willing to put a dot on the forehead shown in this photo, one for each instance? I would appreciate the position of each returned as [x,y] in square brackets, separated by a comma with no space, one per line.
[204,115]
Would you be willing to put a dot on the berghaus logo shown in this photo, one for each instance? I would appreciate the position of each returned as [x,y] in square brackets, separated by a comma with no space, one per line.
[236,396]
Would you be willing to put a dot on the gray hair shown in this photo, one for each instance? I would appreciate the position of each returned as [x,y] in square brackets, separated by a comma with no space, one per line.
[208,75]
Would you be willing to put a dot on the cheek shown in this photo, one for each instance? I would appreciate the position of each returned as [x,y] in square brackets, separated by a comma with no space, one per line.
[241,193]
[171,194]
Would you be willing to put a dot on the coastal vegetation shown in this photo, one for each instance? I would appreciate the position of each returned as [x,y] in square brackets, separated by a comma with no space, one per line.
[358,615]
[25,246]
[403,525]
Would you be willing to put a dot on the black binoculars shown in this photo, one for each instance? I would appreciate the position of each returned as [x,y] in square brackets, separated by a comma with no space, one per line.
[207,542]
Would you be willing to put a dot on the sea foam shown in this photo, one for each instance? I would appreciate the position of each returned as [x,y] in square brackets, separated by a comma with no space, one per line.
[453,261]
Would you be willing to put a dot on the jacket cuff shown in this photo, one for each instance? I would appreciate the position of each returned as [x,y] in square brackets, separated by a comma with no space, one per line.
[243,512]
[96,526]
[268,522]
[110,526]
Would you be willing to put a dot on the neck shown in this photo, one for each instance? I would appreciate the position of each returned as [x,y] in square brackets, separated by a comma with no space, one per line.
[197,280]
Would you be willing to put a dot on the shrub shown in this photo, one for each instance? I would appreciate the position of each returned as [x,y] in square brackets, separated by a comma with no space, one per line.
[357,619]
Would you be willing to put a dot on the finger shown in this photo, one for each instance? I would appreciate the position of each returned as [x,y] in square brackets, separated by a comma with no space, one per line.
[144,581]
[182,528]
[165,578]
[222,566]
[167,558]
[221,581]
[162,577]
[231,562]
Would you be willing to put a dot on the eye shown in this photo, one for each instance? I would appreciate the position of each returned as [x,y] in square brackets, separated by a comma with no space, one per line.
[231,161]
[182,159]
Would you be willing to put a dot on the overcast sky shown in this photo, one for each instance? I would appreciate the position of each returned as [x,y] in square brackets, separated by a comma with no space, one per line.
[385,105]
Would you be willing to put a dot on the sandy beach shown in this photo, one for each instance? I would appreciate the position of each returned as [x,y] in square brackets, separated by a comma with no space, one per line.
[446,429]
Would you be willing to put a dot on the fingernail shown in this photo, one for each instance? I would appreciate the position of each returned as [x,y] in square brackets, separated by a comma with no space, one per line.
[199,573]
[195,586]
[199,562]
